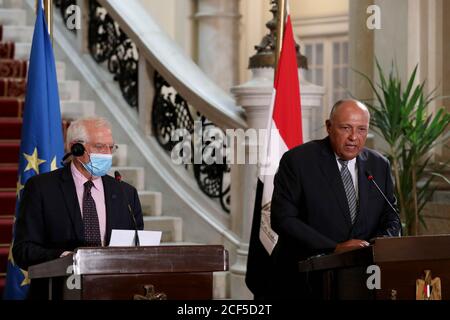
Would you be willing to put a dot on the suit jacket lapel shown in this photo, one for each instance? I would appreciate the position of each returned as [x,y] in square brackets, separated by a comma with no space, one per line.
[330,170]
[363,191]
[70,197]
[111,206]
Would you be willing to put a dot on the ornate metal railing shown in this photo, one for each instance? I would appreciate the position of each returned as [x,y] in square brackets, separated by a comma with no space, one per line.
[108,44]
[170,112]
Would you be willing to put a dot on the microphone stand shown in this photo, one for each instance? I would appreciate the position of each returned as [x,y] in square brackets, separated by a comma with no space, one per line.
[118,177]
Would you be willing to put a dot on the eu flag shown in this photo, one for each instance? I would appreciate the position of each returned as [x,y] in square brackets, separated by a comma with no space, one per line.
[41,148]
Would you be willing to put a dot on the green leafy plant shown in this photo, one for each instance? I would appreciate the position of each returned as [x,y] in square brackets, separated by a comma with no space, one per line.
[400,115]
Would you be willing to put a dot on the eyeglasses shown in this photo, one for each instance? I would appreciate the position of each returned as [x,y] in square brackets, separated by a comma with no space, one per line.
[102,147]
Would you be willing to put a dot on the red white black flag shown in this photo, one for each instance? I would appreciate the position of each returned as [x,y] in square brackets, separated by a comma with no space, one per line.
[284,133]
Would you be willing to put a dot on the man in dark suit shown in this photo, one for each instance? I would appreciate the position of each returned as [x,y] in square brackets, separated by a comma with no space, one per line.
[322,200]
[77,205]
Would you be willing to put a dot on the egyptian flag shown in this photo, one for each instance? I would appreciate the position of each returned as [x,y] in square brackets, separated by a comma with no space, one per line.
[284,133]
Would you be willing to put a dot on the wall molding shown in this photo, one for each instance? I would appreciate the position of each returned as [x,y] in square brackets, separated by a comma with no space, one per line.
[321,26]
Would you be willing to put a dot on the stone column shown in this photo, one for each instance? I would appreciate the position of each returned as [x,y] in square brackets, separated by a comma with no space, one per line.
[361,53]
[255,97]
[218,44]
[446,66]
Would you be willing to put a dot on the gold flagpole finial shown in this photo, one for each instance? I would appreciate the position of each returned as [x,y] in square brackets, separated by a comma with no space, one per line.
[281,17]
[268,51]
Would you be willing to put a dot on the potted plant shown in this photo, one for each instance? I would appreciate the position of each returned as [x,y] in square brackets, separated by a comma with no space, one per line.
[400,115]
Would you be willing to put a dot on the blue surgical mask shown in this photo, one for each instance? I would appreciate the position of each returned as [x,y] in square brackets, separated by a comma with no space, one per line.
[99,164]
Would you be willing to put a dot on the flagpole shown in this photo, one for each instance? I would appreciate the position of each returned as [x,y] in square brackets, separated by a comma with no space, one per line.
[48,12]
[281,15]
[48,9]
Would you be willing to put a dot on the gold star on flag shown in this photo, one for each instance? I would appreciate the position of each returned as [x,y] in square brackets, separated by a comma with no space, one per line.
[26,280]
[33,161]
[19,187]
[53,165]
[10,255]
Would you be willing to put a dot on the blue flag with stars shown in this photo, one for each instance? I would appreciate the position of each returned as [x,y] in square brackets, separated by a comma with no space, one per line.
[41,147]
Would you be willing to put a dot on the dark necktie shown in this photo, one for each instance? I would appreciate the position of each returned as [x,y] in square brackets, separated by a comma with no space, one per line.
[90,219]
[349,189]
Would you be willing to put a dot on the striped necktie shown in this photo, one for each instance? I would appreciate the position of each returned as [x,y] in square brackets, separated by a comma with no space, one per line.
[349,189]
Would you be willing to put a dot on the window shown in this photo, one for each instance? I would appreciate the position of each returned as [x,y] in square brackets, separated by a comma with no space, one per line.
[327,67]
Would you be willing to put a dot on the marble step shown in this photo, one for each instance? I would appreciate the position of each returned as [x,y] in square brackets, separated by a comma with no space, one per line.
[132,175]
[22,50]
[69,90]
[71,110]
[60,70]
[151,202]
[15,17]
[18,33]
[120,156]
[171,227]
[11,3]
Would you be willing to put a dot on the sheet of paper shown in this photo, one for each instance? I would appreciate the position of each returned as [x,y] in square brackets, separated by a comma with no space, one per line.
[125,238]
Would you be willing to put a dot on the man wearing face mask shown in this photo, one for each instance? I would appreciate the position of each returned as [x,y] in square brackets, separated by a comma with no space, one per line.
[77,205]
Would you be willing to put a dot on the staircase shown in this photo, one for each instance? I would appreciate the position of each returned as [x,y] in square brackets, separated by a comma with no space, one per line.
[15,46]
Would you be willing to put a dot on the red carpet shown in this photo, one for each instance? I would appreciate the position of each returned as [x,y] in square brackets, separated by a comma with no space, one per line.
[12,87]
[8,203]
[6,229]
[10,68]
[2,283]
[12,90]
[9,149]
[8,172]
[4,251]
[7,50]
[11,107]
[10,128]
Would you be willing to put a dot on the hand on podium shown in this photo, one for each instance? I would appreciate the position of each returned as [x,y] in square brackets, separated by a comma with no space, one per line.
[350,245]
[65,253]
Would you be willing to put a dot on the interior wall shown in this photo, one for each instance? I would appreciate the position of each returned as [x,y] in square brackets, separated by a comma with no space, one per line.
[175,18]
[318,8]
[252,28]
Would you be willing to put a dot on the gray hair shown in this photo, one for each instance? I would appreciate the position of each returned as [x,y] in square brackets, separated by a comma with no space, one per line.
[77,129]
[339,102]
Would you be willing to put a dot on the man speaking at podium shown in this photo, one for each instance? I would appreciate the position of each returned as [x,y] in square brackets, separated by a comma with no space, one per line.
[77,205]
[323,201]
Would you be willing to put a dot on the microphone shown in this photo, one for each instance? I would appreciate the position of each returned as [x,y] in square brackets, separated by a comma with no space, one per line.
[77,150]
[118,178]
[371,178]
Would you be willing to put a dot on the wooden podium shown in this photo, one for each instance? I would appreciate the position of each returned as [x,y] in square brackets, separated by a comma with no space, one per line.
[401,260]
[159,272]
